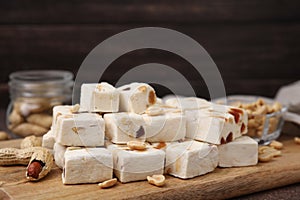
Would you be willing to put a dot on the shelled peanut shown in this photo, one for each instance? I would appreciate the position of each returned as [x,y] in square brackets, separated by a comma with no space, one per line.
[257,116]
[31,116]
[38,160]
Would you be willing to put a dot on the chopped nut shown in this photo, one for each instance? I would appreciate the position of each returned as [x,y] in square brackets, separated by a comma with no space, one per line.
[136,145]
[297,140]
[275,144]
[108,183]
[157,180]
[75,108]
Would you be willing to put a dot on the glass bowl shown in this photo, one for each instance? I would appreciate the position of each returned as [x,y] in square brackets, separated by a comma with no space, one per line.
[265,116]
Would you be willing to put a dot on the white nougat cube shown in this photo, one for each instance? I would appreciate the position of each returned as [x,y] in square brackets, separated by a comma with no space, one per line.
[189,159]
[241,152]
[121,128]
[83,129]
[136,97]
[165,128]
[59,154]
[101,97]
[134,165]
[88,165]
[216,124]
[48,139]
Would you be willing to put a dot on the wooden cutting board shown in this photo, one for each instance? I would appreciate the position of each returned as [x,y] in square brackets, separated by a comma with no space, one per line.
[220,184]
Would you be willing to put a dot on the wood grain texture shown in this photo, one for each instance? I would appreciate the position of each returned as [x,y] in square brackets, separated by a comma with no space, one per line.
[220,184]
[191,11]
[252,51]
[255,43]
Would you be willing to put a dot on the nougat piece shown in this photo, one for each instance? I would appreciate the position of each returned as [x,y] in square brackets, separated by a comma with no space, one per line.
[48,140]
[59,155]
[188,103]
[82,129]
[217,124]
[59,111]
[101,97]
[165,128]
[243,151]
[190,158]
[136,97]
[87,165]
[124,127]
[135,165]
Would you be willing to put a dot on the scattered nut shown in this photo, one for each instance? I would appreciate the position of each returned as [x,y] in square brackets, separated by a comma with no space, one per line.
[157,180]
[275,144]
[31,141]
[108,183]
[136,145]
[43,160]
[38,159]
[3,135]
[266,153]
[297,140]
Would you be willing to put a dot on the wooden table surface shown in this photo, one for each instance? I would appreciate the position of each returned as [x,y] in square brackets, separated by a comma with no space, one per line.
[220,184]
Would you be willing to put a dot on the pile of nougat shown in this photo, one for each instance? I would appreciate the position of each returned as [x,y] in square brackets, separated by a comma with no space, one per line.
[184,136]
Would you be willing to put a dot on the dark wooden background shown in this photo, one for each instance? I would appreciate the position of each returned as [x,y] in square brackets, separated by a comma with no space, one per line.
[255,43]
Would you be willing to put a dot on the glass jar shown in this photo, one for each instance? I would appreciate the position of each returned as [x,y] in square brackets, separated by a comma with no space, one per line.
[33,95]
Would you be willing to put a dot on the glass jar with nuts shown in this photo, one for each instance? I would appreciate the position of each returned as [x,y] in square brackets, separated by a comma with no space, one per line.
[265,116]
[33,94]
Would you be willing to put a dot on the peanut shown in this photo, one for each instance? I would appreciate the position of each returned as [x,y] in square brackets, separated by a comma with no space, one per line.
[3,135]
[26,129]
[275,144]
[34,169]
[108,183]
[136,145]
[13,156]
[43,120]
[40,160]
[297,140]
[256,116]
[157,180]
[31,141]
[266,153]
[15,118]
[44,159]
[27,106]
[75,108]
